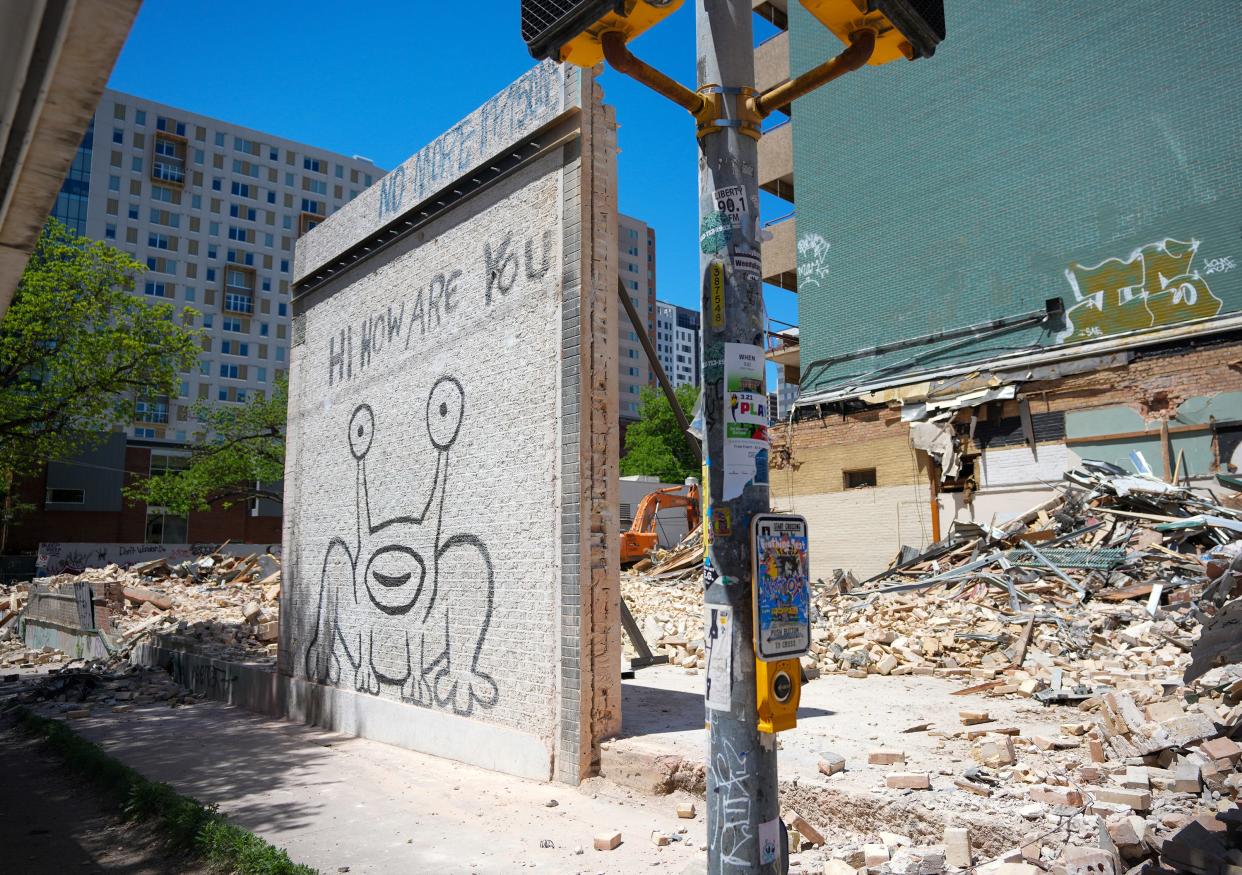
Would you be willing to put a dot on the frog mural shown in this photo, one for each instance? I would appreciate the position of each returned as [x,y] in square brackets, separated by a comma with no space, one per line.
[403,606]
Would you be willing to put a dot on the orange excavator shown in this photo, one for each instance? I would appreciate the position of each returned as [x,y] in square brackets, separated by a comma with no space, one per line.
[641,539]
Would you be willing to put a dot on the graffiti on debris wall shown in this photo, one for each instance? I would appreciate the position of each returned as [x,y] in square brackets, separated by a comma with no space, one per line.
[1155,285]
[402,604]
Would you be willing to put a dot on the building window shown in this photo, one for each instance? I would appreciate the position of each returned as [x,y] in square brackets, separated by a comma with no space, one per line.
[314,165]
[133,212]
[229,372]
[151,411]
[858,479]
[261,374]
[231,323]
[166,528]
[243,189]
[140,118]
[312,206]
[66,496]
[240,212]
[238,303]
[110,231]
[190,294]
[282,310]
[156,289]
[216,183]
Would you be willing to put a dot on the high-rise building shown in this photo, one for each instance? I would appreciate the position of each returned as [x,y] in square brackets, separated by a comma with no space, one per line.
[636,266]
[677,343]
[212,209]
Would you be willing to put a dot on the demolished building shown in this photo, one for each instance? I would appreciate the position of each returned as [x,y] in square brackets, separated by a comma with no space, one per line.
[1043,292]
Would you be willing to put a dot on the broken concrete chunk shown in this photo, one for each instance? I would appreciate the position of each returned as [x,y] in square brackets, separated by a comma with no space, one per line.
[831,763]
[685,810]
[875,856]
[971,718]
[607,841]
[957,850]
[885,757]
[917,861]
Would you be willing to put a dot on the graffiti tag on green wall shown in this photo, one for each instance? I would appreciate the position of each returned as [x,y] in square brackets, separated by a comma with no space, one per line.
[1156,285]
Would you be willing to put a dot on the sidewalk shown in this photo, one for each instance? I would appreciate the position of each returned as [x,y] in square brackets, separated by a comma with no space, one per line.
[336,802]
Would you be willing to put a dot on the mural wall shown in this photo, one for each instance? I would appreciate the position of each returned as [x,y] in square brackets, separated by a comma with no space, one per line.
[428,436]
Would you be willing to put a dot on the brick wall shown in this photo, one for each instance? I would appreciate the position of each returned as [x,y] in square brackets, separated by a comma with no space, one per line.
[863,528]
[452,402]
[128,525]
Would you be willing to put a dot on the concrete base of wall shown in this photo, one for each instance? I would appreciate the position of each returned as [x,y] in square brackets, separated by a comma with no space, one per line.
[74,643]
[258,687]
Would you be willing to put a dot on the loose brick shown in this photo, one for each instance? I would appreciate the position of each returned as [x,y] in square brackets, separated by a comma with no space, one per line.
[908,780]
[885,757]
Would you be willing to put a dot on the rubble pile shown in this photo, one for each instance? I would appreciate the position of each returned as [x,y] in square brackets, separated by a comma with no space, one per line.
[221,606]
[1115,602]
[95,689]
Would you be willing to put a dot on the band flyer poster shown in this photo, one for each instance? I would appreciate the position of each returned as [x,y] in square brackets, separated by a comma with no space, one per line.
[746,419]
[782,587]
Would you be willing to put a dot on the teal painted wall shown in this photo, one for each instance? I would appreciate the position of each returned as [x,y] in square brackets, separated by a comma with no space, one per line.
[1086,151]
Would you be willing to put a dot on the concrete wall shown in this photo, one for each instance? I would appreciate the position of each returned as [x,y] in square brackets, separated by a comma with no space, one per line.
[449,464]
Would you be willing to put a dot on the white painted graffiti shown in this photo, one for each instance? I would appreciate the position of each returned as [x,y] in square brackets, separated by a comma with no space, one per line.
[732,834]
[812,260]
[1219,265]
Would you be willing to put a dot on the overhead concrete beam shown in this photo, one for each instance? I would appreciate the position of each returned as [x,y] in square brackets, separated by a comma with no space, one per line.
[55,59]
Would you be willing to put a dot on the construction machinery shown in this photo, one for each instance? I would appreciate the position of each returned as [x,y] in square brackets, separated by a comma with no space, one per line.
[642,537]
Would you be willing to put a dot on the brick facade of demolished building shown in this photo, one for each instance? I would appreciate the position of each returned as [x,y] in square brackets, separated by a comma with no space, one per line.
[1180,400]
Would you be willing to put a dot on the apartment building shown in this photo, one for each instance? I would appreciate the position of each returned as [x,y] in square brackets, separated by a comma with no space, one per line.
[677,343]
[636,250]
[212,209]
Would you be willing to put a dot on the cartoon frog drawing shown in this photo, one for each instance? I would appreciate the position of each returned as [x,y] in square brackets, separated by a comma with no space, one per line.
[402,605]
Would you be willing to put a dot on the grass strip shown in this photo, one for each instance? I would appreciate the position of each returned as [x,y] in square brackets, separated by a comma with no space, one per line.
[188,825]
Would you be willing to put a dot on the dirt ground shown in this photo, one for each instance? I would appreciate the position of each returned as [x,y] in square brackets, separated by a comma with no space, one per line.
[50,823]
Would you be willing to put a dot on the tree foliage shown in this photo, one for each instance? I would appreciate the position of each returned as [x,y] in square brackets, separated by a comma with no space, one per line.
[78,349]
[655,444]
[239,452]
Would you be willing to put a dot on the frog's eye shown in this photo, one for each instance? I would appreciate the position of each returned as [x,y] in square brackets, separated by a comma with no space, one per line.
[445,406]
[361,430]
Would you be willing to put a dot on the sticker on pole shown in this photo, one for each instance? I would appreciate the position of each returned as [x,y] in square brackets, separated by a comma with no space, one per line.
[716,280]
[718,642]
[782,591]
[731,201]
[746,419]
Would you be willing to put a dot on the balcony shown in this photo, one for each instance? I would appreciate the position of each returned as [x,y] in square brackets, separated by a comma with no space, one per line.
[168,158]
[775,11]
[776,174]
[783,350]
[772,62]
[780,255]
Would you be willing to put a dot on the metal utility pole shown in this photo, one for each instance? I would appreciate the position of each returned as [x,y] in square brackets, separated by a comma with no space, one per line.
[744,831]
[743,807]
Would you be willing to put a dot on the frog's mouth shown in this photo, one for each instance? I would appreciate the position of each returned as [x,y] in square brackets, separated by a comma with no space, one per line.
[394,578]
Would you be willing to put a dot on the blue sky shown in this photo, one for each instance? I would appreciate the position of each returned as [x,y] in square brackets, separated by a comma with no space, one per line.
[381,79]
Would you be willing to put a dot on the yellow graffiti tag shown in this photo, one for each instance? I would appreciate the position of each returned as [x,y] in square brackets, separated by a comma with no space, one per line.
[1155,286]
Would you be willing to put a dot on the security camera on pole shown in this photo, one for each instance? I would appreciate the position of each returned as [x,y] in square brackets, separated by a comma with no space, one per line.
[756,576]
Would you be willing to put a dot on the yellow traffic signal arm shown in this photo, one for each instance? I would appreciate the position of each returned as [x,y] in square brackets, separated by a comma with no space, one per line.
[856,54]
[621,59]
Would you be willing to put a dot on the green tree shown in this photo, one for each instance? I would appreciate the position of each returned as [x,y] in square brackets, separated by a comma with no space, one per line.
[238,453]
[78,350]
[655,444]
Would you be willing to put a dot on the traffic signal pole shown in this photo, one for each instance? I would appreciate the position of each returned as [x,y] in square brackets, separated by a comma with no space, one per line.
[744,830]
[743,806]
